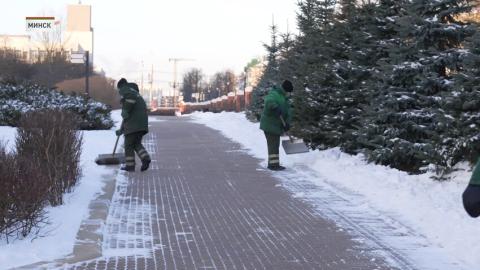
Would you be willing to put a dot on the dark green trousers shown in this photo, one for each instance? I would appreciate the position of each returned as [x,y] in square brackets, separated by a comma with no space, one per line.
[273,143]
[133,144]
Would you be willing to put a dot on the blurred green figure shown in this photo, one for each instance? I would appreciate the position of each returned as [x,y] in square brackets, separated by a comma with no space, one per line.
[276,108]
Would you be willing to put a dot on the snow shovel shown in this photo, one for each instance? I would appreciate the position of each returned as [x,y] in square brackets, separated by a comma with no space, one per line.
[111,159]
[292,146]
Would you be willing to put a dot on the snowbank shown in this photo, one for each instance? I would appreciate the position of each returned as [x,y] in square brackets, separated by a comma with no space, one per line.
[433,209]
[65,220]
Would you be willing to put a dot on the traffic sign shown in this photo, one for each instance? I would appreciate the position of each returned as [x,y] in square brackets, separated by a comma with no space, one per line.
[77,61]
[77,57]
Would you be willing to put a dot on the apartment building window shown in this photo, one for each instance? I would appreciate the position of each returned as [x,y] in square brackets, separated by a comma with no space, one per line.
[34,56]
[42,55]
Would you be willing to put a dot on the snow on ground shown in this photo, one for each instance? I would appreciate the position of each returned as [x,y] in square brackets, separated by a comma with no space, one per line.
[432,209]
[66,219]
[7,136]
[122,234]
[155,119]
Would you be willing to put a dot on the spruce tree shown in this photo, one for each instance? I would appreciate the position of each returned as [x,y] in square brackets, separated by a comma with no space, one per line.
[313,50]
[465,104]
[395,79]
[413,128]
[334,101]
[348,9]
[353,66]
[387,21]
[269,78]
[286,67]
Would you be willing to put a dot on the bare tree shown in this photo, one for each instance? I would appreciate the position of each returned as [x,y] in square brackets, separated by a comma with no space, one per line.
[52,43]
[223,83]
[192,84]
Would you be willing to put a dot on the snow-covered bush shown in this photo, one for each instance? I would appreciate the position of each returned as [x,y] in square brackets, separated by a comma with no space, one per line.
[20,99]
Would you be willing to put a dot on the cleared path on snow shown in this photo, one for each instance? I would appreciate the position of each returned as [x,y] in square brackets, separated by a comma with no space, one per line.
[205,204]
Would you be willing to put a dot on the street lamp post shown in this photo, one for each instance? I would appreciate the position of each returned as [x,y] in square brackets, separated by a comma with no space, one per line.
[245,89]
[87,72]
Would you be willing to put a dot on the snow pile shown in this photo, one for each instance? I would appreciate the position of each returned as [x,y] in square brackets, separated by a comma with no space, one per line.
[66,219]
[432,208]
[17,100]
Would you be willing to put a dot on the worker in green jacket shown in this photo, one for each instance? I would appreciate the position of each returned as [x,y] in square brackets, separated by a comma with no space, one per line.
[134,127]
[276,108]
[471,196]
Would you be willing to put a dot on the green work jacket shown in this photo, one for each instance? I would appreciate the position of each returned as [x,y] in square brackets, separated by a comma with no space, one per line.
[134,111]
[270,121]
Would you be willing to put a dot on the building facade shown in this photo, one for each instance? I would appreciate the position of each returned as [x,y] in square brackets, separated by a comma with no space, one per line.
[77,38]
[254,74]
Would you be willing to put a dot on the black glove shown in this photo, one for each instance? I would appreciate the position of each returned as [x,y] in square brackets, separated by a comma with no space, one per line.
[471,200]
[287,127]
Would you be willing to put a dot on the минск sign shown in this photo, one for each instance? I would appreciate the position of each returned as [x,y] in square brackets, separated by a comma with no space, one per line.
[41,23]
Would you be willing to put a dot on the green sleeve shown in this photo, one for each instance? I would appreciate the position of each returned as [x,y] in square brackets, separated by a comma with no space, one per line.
[270,103]
[475,179]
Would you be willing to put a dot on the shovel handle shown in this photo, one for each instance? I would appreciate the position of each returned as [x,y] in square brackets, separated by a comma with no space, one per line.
[285,125]
[116,143]
[283,121]
[115,147]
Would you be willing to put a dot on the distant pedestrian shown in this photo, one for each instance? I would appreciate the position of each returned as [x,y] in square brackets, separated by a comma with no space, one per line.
[276,109]
[134,127]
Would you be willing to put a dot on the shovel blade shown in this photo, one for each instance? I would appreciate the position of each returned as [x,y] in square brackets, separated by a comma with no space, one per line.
[294,147]
[109,159]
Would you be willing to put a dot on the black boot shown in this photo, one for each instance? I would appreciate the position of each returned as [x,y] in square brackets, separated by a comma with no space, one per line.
[127,168]
[276,167]
[145,165]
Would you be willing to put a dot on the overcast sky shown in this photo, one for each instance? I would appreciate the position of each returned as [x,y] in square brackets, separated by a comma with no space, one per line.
[218,34]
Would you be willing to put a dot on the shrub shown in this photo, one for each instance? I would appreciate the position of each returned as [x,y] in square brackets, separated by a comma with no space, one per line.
[18,100]
[23,198]
[45,165]
[49,138]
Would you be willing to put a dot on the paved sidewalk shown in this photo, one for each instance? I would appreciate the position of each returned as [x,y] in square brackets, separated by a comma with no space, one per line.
[204,204]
